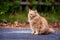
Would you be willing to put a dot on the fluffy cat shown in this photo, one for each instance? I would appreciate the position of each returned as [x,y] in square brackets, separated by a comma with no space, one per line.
[38,24]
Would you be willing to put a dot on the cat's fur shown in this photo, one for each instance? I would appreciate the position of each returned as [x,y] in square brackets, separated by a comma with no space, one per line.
[38,24]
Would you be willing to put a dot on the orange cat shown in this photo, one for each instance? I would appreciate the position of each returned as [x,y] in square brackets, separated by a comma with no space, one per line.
[37,23]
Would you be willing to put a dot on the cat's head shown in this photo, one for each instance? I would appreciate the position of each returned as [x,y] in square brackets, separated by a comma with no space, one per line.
[33,13]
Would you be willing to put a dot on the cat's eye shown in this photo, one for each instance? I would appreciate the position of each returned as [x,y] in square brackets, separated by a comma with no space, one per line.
[35,12]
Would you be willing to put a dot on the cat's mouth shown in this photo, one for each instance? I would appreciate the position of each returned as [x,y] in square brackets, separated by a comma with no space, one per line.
[32,17]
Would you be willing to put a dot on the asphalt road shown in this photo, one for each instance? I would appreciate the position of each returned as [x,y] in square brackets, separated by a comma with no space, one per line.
[23,34]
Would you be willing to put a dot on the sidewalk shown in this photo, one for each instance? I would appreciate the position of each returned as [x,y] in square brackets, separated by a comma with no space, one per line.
[23,34]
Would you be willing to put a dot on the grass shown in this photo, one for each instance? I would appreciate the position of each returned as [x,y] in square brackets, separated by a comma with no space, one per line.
[20,17]
[51,17]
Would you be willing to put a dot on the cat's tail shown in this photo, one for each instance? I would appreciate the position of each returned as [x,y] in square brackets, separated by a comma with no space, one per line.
[52,30]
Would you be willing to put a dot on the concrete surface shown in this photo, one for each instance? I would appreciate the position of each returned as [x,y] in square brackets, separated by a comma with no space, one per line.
[23,34]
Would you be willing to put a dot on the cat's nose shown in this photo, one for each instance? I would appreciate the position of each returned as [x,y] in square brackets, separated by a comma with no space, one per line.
[31,16]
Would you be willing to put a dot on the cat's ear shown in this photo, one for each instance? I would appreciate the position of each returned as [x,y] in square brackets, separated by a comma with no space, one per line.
[36,12]
[29,9]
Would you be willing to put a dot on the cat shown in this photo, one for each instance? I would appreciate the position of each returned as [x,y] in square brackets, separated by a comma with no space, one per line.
[38,24]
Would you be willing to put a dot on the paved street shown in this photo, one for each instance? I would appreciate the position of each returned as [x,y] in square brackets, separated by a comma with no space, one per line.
[23,34]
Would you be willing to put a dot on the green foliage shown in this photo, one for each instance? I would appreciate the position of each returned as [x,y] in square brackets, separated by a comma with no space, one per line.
[17,1]
[33,2]
[4,6]
[11,11]
[51,17]
[9,6]
[50,0]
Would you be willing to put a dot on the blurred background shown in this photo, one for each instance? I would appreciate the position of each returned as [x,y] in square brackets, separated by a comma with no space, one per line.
[17,10]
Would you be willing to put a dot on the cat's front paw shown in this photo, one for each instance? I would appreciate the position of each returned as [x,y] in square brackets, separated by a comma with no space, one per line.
[33,32]
[36,33]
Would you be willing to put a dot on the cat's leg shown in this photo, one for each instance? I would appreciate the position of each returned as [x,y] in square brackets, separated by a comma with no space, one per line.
[36,31]
[33,31]
[42,30]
